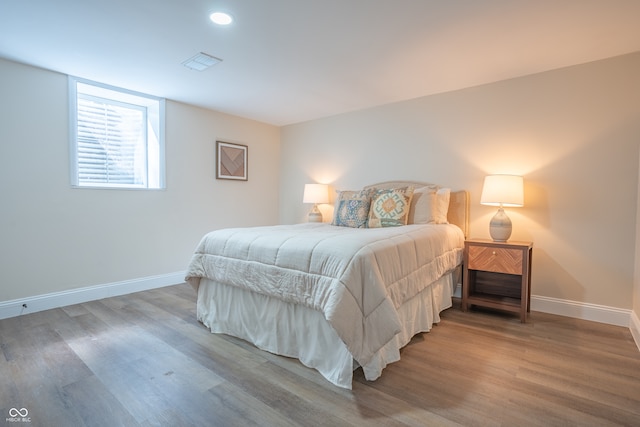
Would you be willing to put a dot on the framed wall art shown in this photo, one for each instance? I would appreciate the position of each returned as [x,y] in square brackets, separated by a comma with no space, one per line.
[231,161]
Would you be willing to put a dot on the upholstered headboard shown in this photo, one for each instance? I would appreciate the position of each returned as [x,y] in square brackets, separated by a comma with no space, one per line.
[458,213]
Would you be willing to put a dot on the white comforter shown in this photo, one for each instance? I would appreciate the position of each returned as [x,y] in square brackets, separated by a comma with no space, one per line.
[356,277]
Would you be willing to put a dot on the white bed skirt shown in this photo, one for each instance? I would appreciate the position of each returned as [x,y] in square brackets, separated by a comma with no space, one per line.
[303,333]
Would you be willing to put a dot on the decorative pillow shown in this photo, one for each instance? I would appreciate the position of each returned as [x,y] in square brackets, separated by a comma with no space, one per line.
[352,209]
[442,206]
[429,205]
[390,208]
[423,205]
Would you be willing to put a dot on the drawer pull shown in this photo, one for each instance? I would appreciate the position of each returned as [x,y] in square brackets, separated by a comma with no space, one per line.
[494,252]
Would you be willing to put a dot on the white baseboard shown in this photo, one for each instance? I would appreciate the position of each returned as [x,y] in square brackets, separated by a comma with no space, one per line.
[37,303]
[581,310]
[634,326]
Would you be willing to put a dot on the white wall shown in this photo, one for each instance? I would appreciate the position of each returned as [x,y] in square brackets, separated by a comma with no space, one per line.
[573,133]
[634,324]
[56,238]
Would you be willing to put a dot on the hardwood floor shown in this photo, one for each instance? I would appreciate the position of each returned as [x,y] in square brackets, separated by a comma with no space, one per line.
[144,360]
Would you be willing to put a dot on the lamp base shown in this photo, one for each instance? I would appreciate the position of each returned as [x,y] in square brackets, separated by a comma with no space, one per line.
[315,215]
[500,226]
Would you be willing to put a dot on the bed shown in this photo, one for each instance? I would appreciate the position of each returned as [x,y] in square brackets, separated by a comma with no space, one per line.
[335,296]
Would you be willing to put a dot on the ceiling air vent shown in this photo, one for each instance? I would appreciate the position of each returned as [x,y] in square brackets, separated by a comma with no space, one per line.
[201,61]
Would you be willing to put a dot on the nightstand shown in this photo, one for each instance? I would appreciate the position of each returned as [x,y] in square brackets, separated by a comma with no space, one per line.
[497,275]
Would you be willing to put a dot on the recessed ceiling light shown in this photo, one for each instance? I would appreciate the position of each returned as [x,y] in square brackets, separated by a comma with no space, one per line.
[201,61]
[221,18]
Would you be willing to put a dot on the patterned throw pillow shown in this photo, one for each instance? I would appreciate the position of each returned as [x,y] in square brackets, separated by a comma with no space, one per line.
[352,209]
[390,208]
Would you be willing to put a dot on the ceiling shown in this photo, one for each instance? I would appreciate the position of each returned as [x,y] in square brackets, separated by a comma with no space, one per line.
[288,61]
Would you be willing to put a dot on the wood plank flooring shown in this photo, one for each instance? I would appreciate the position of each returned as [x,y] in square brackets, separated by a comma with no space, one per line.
[144,360]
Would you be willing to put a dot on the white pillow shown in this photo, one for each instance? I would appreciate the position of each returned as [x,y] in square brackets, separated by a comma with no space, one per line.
[429,205]
[442,206]
[423,204]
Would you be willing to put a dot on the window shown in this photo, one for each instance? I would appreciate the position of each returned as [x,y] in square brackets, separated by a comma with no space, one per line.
[117,137]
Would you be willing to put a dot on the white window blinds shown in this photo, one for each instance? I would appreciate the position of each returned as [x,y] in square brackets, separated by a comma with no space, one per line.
[116,141]
[111,142]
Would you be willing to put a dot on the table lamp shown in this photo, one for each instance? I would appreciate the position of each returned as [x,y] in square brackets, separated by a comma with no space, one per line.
[315,193]
[502,190]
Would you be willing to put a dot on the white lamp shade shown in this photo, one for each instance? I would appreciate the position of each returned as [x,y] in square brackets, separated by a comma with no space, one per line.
[316,193]
[503,190]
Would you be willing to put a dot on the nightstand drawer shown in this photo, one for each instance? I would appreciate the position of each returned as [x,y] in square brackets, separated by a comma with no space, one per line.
[497,260]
